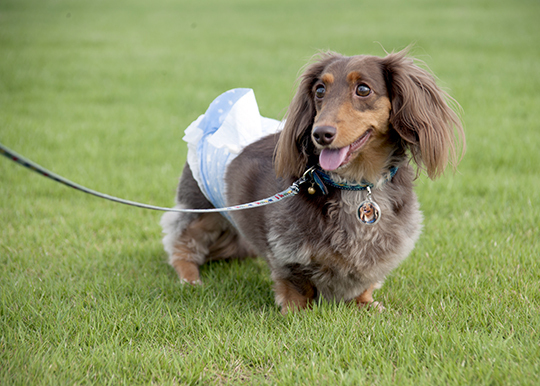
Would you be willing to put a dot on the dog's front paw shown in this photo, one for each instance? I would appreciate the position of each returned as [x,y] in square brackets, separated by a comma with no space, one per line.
[196,282]
[373,305]
[366,299]
[288,297]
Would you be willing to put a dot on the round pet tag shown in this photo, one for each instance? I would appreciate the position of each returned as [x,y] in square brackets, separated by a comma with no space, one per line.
[369,212]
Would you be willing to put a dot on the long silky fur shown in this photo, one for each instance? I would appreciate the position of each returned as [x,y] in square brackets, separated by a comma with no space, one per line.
[314,244]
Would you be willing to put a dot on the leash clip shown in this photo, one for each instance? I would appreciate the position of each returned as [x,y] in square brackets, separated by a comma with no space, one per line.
[311,176]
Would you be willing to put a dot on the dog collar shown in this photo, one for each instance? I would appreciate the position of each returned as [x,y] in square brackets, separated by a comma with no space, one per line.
[368,212]
[321,179]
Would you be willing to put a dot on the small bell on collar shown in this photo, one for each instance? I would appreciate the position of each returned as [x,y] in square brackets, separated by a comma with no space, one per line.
[369,212]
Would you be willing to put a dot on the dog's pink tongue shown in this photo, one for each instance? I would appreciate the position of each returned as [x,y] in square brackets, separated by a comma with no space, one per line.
[331,159]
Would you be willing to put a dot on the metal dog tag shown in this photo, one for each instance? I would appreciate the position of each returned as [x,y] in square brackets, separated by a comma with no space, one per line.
[369,212]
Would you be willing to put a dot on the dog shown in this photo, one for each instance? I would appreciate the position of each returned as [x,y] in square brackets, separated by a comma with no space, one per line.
[368,213]
[361,121]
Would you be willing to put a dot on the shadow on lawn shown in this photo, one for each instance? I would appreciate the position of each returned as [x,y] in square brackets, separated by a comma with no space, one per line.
[245,283]
[232,284]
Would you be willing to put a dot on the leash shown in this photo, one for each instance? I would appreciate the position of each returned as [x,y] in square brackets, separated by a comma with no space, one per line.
[368,212]
[292,190]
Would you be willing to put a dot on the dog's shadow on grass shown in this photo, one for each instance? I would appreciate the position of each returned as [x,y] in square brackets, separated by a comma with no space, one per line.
[237,286]
[243,284]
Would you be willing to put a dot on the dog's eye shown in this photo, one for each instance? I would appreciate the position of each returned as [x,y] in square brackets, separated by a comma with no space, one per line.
[363,90]
[320,91]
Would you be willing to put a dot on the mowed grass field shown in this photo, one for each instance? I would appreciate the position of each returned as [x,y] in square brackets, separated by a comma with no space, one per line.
[101,91]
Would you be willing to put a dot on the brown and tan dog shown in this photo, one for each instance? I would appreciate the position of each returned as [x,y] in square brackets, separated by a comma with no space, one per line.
[355,117]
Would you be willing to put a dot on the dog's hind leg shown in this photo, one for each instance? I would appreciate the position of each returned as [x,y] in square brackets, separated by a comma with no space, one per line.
[207,237]
[189,247]
[191,239]
[188,235]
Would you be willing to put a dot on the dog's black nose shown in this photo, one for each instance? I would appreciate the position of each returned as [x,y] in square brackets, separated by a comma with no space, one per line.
[324,135]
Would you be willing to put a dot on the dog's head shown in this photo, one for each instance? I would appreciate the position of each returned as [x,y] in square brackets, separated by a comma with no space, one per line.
[367,211]
[351,114]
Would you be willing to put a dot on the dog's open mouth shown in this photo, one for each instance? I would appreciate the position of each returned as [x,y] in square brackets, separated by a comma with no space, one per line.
[331,159]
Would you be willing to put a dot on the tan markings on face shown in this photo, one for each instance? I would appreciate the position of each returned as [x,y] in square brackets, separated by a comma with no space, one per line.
[327,78]
[367,210]
[353,77]
[351,123]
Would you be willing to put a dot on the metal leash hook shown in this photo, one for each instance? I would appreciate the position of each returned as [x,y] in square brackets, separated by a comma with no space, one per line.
[313,178]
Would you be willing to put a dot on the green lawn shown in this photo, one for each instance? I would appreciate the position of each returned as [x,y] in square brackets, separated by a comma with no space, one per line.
[101,91]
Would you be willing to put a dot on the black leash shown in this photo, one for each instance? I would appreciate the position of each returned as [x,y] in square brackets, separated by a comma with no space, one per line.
[289,192]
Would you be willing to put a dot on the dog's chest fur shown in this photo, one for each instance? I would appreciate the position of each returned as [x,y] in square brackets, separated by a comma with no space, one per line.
[326,245]
[341,256]
[318,239]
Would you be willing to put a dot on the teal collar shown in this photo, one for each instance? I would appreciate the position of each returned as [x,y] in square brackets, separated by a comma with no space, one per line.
[322,180]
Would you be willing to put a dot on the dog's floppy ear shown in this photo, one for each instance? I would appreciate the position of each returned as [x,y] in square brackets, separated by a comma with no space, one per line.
[293,147]
[421,114]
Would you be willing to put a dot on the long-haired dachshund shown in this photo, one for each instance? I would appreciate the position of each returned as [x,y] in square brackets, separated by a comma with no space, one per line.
[359,121]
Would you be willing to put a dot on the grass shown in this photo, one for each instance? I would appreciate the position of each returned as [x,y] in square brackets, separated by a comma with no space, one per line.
[100,92]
